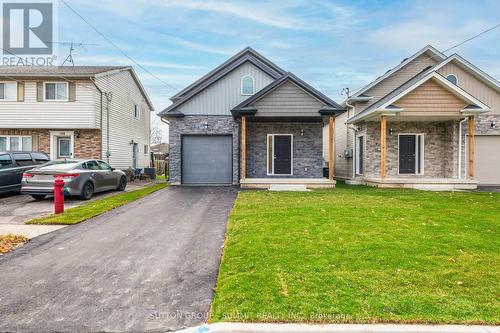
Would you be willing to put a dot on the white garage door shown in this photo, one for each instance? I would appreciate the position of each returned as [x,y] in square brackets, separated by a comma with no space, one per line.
[487,163]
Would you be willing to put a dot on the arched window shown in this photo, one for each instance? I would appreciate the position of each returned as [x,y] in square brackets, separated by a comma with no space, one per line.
[452,78]
[247,85]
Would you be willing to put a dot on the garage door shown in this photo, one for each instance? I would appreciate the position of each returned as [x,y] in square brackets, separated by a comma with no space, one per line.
[487,163]
[207,159]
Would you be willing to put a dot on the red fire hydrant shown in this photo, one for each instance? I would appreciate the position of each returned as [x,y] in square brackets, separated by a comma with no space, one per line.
[58,196]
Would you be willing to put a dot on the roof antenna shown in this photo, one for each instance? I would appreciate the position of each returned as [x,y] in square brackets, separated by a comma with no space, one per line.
[72,45]
[69,58]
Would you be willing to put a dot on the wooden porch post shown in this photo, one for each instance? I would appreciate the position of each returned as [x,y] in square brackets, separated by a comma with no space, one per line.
[383,145]
[243,147]
[331,159]
[471,147]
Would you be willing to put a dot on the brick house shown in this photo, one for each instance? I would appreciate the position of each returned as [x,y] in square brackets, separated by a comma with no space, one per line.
[100,112]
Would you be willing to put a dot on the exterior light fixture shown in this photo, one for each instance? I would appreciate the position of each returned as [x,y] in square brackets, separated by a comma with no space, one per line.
[391,131]
[301,132]
[493,124]
[206,124]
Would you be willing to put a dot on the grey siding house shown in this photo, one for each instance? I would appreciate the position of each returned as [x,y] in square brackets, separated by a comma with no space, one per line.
[249,122]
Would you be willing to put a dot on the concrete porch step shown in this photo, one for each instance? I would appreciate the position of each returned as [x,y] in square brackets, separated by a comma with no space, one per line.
[288,187]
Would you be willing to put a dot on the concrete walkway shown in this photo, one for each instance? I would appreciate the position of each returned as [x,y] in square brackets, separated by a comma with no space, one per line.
[150,265]
[338,328]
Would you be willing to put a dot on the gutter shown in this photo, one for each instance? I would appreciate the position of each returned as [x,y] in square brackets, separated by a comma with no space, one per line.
[101,113]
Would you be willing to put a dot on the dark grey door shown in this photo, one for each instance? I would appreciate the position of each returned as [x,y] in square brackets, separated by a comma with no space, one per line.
[207,159]
[407,154]
[282,154]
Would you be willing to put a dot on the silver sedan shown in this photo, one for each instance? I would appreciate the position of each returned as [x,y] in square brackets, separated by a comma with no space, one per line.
[81,178]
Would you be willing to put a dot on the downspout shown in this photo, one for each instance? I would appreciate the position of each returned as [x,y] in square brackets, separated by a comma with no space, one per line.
[354,138]
[101,93]
[460,147]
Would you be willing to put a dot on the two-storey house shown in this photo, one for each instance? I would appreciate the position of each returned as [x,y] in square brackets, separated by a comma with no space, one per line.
[76,112]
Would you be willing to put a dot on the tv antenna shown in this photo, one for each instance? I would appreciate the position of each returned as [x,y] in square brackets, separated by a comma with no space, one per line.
[72,45]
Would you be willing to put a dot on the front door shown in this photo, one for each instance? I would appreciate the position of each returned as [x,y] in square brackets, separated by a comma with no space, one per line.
[407,154]
[282,154]
[63,147]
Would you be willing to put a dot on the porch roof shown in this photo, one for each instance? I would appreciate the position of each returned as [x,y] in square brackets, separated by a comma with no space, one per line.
[247,106]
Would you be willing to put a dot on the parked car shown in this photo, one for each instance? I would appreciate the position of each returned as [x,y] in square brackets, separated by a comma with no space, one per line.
[12,166]
[81,178]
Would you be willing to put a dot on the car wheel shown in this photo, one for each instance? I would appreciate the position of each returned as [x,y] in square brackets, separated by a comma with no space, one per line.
[38,197]
[87,191]
[122,184]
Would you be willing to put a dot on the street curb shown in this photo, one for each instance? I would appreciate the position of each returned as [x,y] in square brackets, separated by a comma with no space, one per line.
[337,328]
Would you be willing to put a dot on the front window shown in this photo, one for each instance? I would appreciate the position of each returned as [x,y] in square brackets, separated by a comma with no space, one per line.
[56,91]
[16,142]
[247,85]
[145,149]
[8,91]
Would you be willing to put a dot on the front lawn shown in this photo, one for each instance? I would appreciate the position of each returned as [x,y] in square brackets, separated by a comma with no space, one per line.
[358,254]
[96,207]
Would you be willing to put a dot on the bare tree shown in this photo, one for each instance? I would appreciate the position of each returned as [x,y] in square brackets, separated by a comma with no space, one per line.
[156,135]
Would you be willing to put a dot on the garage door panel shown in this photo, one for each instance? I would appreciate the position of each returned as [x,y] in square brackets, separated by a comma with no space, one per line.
[487,159]
[207,159]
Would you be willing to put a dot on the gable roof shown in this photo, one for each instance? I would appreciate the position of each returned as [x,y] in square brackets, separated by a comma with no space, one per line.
[434,53]
[470,68]
[246,55]
[246,105]
[386,102]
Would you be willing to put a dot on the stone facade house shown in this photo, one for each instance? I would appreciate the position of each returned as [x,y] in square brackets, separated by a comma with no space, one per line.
[432,122]
[100,112]
[249,122]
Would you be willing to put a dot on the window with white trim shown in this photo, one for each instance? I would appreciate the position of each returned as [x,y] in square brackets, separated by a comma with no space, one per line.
[16,142]
[137,111]
[56,91]
[146,148]
[247,85]
[452,78]
[8,91]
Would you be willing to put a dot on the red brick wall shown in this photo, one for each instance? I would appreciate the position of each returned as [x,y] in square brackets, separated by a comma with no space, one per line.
[87,142]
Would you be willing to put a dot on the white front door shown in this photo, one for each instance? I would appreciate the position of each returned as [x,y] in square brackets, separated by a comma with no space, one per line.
[61,144]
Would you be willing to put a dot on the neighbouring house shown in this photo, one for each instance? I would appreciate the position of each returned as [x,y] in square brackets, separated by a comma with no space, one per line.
[76,112]
[431,122]
[249,122]
[160,150]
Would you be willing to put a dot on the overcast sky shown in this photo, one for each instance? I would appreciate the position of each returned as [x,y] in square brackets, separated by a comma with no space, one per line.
[329,44]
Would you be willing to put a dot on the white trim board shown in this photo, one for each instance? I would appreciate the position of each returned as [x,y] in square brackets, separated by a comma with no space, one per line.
[419,154]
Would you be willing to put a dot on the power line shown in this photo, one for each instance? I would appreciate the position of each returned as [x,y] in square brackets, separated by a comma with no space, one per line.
[116,46]
[447,50]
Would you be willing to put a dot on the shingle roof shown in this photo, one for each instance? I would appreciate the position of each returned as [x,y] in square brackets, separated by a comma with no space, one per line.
[56,70]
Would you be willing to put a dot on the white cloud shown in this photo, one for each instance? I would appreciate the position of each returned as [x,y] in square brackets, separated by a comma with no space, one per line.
[199,47]
[125,61]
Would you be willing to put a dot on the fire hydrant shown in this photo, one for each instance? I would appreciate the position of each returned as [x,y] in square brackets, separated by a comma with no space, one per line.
[58,196]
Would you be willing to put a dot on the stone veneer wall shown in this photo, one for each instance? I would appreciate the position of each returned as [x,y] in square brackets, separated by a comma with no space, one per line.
[440,148]
[196,125]
[307,148]
[87,141]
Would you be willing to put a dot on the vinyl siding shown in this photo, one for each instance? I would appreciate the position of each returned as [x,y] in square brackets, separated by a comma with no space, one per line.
[473,86]
[290,100]
[431,98]
[124,127]
[395,80]
[223,95]
[53,115]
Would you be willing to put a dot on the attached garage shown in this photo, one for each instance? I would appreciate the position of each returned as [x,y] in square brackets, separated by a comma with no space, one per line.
[207,159]
[487,159]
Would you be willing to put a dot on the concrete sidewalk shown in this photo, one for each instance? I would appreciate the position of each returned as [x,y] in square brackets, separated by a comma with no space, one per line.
[338,328]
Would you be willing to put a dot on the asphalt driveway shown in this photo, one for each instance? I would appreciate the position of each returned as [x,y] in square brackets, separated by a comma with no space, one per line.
[147,266]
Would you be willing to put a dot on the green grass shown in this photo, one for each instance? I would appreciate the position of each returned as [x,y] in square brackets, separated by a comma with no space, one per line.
[96,207]
[357,254]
